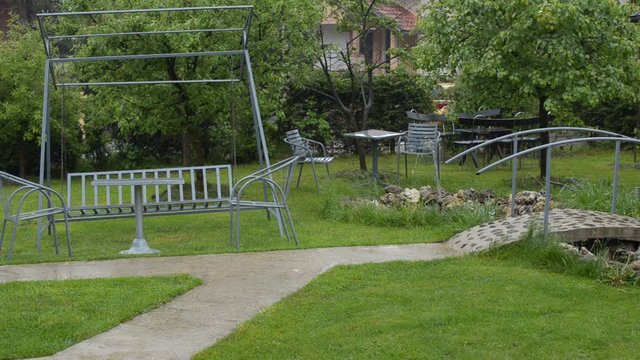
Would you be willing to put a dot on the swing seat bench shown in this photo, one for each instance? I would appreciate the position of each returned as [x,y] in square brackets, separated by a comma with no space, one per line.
[205,189]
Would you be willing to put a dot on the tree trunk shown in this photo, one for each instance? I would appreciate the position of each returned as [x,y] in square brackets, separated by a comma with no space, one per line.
[22,159]
[543,117]
[362,154]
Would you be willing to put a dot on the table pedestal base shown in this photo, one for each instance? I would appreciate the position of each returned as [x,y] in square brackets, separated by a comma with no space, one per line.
[139,246]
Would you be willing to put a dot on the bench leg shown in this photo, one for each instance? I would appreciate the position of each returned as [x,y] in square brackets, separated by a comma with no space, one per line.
[68,233]
[13,240]
[4,227]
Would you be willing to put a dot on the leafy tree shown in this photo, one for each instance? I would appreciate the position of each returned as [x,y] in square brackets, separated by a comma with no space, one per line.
[361,20]
[560,53]
[197,116]
[21,91]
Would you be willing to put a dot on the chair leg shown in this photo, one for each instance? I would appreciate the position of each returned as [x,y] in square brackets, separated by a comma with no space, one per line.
[299,174]
[13,240]
[4,227]
[327,164]
[68,233]
[231,228]
[315,176]
[406,167]
[238,228]
[55,235]
[398,167]
[293,229]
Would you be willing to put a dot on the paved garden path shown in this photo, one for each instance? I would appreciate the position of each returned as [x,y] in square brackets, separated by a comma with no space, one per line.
[235,288]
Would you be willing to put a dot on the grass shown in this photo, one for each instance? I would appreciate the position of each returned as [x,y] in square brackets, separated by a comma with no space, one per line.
[463,308]
[40,318]
[495,306]
[316,227]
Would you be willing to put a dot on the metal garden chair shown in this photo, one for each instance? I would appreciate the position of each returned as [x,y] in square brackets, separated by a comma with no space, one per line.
[14,192]
[306,150]
[420,140]
[274,199]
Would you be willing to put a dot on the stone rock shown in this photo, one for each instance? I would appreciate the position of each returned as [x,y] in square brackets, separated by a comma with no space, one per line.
[586,255]
[393,189]
[635,265]
[410,196]
[390,199]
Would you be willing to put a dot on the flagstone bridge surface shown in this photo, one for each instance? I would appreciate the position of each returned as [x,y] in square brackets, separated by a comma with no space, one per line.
[571,224]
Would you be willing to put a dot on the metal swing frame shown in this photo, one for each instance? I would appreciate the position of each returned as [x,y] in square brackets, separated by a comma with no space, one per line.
[242,53]
[245,74]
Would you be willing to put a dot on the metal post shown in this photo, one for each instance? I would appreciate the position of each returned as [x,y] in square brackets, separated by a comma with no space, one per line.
[263,153]
[616,170]
[137,193]
[44,139]
[547,193]
[374,161]
[514,174]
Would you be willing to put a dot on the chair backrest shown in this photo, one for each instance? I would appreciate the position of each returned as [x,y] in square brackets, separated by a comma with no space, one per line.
[420,137]
[298,145]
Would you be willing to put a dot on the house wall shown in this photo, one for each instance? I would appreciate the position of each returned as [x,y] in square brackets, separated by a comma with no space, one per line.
[337,39]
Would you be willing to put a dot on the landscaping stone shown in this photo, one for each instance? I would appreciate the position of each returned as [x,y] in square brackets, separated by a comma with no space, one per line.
[527,202]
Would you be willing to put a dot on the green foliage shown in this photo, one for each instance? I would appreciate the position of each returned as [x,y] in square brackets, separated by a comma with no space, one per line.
[394,93]
[41,318]
[557,52]
[598,195]
[537,251]
[195,121]
[21,93]
[372,213]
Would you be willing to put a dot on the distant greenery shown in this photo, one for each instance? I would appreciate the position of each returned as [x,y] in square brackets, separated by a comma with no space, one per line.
[394,93]
[468,308]
[40,318]
[21,92]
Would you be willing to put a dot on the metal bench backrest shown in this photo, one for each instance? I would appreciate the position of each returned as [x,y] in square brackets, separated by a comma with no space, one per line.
[202,184]
[420,137]
[298,145]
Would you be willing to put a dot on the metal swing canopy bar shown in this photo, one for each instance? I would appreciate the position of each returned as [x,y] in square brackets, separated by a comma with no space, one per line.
[51,62]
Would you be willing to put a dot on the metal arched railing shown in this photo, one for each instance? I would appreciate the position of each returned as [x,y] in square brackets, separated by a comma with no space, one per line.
[617,138]
[514,137]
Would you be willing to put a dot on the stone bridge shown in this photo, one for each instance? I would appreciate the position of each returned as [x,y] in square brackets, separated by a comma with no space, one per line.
[571,224]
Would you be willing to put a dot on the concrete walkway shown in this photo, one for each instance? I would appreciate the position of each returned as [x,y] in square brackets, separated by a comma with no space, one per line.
[235,288]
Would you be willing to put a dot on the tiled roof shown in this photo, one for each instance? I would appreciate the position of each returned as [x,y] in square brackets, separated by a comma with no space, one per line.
[406,19]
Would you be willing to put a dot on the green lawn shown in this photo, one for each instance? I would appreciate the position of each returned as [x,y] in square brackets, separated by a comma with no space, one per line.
[458,308]
[467,308]
[40,318]
[208,233]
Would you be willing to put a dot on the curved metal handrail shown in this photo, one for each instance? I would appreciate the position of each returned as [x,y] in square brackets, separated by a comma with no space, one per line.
[557,143]
[527,132]
[618,140]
